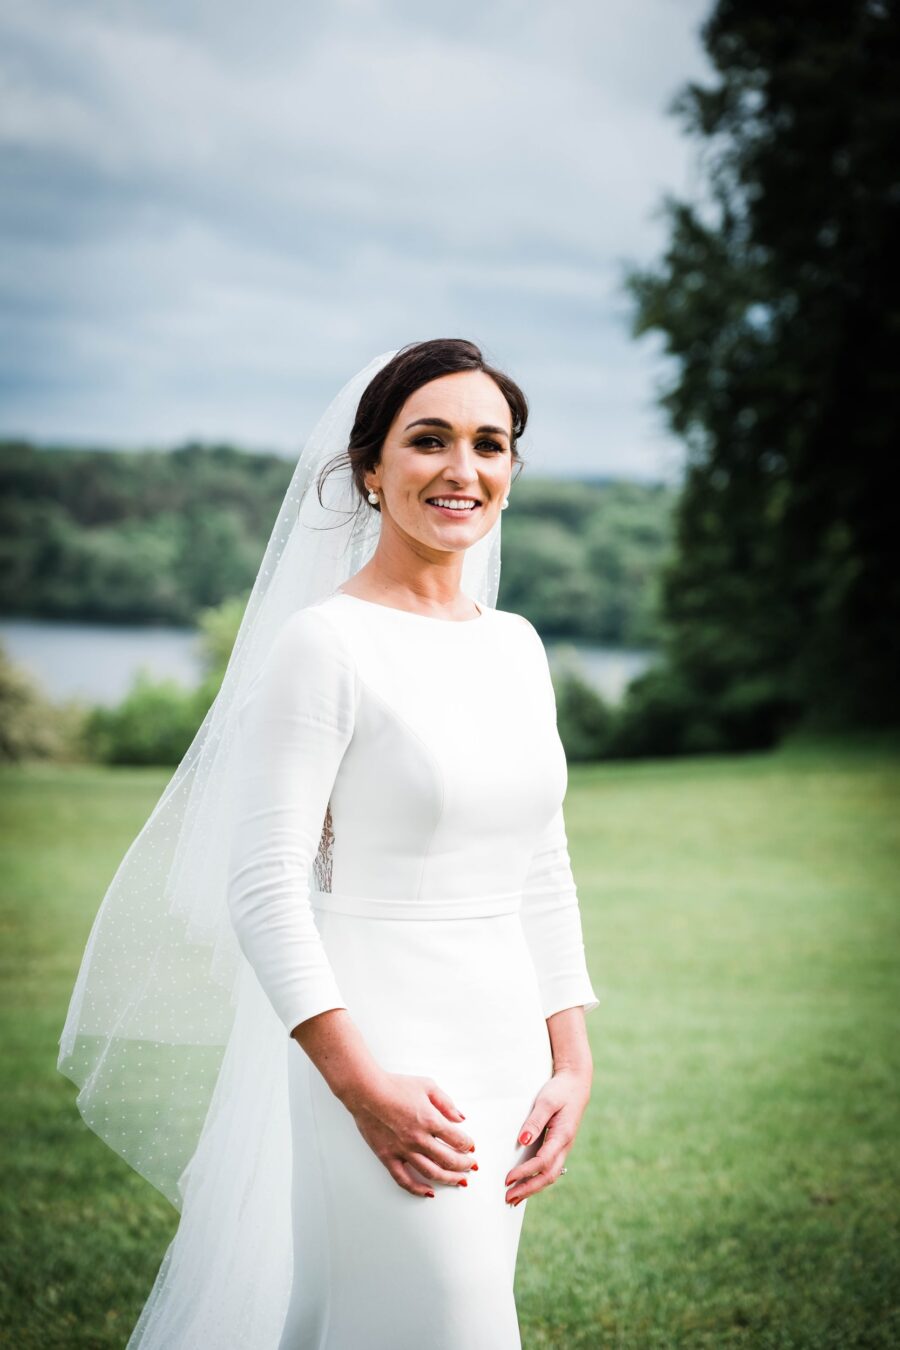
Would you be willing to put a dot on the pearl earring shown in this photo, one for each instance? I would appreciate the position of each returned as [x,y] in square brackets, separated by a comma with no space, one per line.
[373,498]
[505,504]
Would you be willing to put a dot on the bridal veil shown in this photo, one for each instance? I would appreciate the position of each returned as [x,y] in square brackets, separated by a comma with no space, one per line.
[178,1056]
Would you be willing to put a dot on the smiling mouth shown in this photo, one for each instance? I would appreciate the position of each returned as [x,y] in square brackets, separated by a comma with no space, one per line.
[455,506]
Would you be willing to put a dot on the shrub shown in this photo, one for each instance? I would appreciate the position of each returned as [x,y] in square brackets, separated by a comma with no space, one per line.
[583,717]
[30,726]
[154,724]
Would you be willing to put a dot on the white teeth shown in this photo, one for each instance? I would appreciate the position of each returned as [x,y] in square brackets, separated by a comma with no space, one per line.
[453,503]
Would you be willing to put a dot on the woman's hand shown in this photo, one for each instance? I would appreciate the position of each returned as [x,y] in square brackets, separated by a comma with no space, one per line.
[406,1121]
[557,1110]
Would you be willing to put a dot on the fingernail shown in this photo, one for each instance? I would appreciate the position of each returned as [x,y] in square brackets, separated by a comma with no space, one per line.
[461,1116]
[519,1201]
[525,1137]
[431,1193]
[472,1149]
[474,1167]
[463,1182]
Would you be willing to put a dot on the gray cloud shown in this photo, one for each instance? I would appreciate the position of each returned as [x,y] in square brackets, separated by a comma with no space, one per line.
[213,214]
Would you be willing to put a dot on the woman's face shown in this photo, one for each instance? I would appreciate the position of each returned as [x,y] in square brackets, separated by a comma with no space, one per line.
[451,438]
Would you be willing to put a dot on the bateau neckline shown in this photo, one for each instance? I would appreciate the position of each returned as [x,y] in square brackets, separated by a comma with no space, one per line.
[411,614]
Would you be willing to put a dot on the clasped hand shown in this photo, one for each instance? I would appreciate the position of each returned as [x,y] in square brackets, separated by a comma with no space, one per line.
[409,1123]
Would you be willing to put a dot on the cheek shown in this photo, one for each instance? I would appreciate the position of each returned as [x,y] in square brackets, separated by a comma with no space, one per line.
[408,481]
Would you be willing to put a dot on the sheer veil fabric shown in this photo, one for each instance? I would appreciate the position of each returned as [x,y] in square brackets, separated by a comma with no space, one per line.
[177,1053]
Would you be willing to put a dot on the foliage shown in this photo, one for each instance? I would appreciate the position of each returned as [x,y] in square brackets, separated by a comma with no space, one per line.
[154,724]
[138,537]
[157,720]
[581,560]
[583,717]
[218,627]
[150,536]
[778,301]
[31,726]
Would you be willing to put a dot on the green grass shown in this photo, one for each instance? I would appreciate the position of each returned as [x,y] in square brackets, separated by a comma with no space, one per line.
[735,1179]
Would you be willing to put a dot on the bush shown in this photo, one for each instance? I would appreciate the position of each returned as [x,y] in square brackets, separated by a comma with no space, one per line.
[154,724]
[582,715]
[664,713]
[30,726]
[661,714]
[756,713]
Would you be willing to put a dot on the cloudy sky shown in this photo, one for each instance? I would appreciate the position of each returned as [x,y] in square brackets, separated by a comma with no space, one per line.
[213,214]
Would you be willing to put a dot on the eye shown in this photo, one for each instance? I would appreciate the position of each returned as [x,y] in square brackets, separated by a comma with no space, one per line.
[493,445]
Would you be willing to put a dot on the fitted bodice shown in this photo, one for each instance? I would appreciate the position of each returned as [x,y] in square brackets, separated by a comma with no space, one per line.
[414,763]
[455,764]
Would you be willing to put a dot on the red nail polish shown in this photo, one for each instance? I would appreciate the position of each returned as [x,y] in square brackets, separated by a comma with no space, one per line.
[463,1182]
[525,1137]
[431,1193]
[474,1167]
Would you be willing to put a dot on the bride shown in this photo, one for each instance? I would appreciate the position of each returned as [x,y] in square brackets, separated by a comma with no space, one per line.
[333,1004]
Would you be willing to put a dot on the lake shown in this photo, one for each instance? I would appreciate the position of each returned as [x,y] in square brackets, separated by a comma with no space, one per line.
[97,662]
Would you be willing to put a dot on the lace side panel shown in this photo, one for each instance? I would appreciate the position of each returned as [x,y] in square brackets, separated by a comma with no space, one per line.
[325,855]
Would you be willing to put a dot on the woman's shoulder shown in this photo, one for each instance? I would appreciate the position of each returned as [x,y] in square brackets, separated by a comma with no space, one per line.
[307,652]
[519,624]
[518,619]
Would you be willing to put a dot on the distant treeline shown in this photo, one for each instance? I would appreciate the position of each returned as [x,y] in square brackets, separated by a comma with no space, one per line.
[159,536]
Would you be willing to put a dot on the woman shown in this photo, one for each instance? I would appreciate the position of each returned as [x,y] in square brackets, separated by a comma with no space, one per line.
[397,747]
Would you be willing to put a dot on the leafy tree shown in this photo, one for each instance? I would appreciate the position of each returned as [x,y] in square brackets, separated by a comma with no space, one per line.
[778,300]
[149,536]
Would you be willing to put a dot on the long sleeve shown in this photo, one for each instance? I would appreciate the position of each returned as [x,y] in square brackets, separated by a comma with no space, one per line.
[551,919]
[294,727]
[551,915]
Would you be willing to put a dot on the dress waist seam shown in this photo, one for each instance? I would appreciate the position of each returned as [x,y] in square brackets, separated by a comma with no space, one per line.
[421,907]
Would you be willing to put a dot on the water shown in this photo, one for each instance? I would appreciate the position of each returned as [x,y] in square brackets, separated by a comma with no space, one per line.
[97,662]
[608,669]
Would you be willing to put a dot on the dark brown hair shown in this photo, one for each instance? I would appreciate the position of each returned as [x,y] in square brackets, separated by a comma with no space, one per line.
[414,365]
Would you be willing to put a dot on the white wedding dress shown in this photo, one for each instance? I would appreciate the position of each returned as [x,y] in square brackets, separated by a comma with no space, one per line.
[443,915]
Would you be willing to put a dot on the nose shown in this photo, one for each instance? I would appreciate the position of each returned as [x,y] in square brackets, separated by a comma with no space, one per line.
[461,464]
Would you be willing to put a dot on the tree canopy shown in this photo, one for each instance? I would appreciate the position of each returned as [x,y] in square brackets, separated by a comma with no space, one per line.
[777,298]
[161,536]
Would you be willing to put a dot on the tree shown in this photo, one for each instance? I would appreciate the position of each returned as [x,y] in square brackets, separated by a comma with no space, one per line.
[778,300]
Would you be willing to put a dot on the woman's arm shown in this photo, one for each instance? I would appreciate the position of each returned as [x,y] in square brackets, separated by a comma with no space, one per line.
[295,725]
[551,919]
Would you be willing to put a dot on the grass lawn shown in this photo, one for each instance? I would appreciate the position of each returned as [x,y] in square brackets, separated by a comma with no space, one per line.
[735,1179]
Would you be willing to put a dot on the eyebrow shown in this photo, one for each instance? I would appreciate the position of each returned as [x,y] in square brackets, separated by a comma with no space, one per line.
[439,422]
